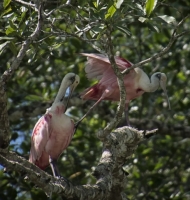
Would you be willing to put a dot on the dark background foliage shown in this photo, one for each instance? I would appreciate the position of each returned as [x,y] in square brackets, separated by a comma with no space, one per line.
[159,169]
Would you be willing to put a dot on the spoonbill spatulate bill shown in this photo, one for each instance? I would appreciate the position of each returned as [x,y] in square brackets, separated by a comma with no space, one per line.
[54,130]
[136,81]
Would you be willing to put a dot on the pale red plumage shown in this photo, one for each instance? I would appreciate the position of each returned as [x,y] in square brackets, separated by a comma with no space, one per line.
[54,130]
[51,136]
[99,67]
[136,81]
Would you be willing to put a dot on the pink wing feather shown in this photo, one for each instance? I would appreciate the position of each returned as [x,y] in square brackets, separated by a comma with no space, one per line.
[40,136]
[98,66]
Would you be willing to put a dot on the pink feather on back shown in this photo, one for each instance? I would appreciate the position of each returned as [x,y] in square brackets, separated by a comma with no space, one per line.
[98,67]
[51,136]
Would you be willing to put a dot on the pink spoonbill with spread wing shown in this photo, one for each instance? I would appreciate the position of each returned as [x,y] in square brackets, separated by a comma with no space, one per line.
[136,81]
[54,130]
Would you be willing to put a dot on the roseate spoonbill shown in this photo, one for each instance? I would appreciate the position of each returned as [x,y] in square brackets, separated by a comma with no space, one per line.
[136,81]
[54,130]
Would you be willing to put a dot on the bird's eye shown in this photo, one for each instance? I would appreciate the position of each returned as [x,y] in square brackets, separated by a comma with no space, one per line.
[72,79]
[158,76]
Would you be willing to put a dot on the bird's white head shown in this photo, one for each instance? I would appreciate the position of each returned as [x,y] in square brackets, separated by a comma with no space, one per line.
[71,80]
[163,81]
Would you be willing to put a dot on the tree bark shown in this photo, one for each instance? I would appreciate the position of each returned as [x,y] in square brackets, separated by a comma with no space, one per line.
[111,178]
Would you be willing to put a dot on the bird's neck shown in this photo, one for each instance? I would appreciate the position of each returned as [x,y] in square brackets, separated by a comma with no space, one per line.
[61,93]
[154,84]
[147,84]
[57,108]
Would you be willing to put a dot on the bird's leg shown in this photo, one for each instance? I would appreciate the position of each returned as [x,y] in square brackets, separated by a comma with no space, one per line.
[55,171]
[53,164]
[77,123]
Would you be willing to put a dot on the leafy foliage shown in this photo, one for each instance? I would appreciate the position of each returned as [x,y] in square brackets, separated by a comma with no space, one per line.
[160,167]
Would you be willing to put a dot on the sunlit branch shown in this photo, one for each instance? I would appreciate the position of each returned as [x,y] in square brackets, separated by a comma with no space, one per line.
[26,3]
[120,144]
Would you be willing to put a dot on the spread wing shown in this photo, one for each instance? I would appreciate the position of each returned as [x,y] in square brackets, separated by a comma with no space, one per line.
[98,65]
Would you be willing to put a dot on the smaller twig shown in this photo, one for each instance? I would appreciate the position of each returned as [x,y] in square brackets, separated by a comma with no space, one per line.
[26,3]
[67,4]
[8,73]
[164,50]
[181,34]
[170,6]
[148,134]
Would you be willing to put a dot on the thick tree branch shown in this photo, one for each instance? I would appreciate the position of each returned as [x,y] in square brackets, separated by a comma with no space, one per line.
[119,145]
[4,122]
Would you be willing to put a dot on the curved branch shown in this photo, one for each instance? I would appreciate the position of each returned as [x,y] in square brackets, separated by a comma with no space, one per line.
[119,145]
[164,50]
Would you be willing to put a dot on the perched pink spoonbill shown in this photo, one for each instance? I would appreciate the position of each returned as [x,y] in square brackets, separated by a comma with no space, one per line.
[54,130]
[136,81]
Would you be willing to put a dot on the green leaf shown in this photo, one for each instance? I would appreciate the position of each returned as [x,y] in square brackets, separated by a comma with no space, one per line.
[6,3]
[118,4]
[12,25]
[158,165]
[153,28]
[124,30]
[146,151]
[168,19]
[110,12]
[113,8]
[96,3]
[140,7]
[9,9]
[149,6]
[23,16]
[142,19]
[2,46]
[56,46]
[33,97]
[13,48]
[10,30]
[99,35]
[181,76]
